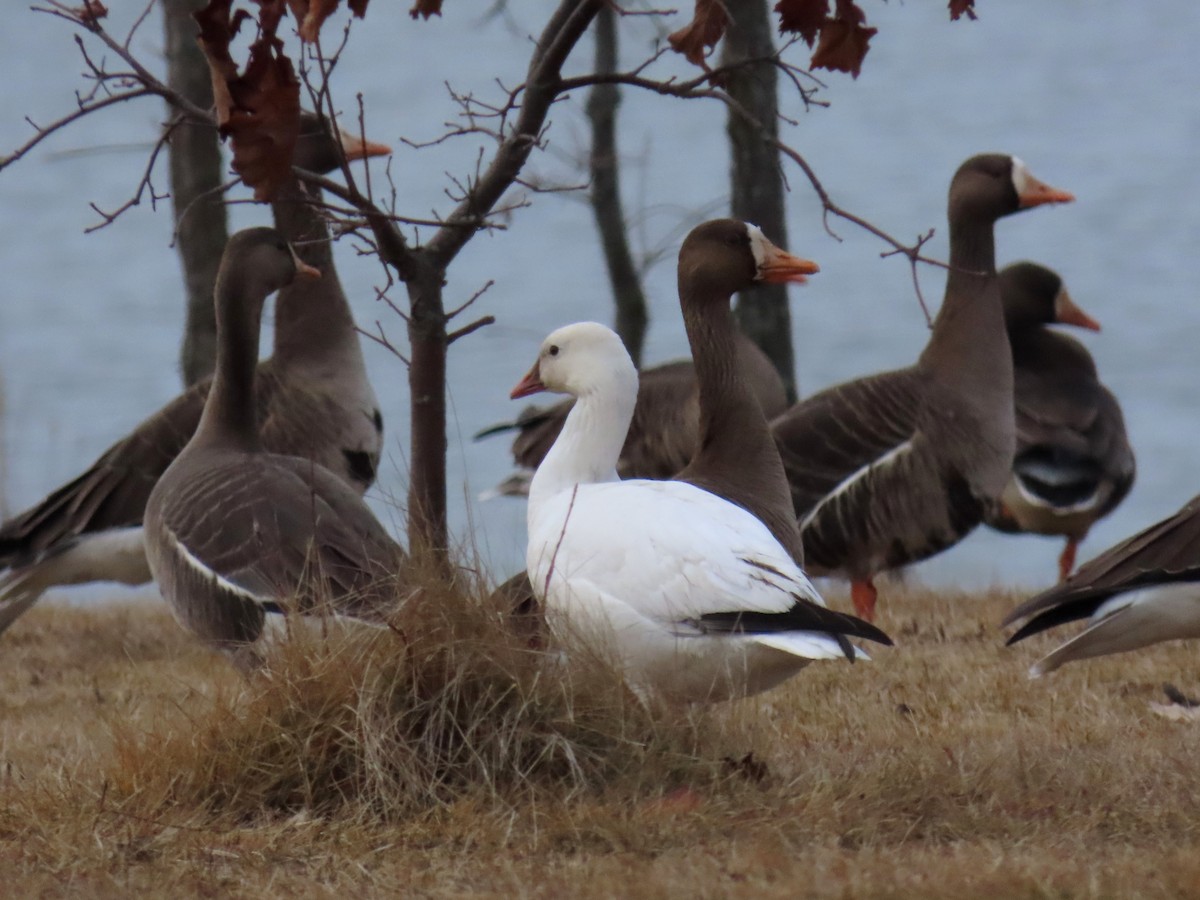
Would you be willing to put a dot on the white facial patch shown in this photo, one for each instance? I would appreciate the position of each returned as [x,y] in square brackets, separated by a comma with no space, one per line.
[1061,299]
[1020,176]
[758,246]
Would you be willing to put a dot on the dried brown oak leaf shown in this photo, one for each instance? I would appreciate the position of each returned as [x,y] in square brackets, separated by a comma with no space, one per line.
[844,40]
[311,14]
[90,11]
[701,34]
[426,8]
[960,8]
[259,109]
[802,17]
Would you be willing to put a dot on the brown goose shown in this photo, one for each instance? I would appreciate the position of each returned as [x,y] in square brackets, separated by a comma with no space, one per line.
[893,468]
[1073,464]
[1144,590]
[736,459]
[233,531]
[313,400]
[665,429]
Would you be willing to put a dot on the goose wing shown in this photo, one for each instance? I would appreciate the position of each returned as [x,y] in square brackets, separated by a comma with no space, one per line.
[679,555]
[1167,551]
[113,492]
[279,528]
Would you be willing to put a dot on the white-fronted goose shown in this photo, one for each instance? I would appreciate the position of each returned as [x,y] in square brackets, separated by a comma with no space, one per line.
[689,594]
[313,400]
[1073,464]
[737,458]
[233,531]
[665,430]
[1144,590]
[893,468]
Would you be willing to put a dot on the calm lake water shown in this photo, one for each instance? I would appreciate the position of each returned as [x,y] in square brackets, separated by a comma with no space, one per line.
[1099,103]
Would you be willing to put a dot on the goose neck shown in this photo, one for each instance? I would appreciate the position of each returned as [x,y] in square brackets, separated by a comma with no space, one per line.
[589,445]
[728,409]
[312,317]
[229,416]
[969,334]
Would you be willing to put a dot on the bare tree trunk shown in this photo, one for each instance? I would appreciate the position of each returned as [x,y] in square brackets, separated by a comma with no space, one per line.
[757,178]
[427,529]
[195,174]
[602,103]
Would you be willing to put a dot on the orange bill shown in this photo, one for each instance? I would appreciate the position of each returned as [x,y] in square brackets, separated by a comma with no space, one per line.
[357,148]
[1034,192]
[779,267]
[1066,312]
[303,269]
[530,384]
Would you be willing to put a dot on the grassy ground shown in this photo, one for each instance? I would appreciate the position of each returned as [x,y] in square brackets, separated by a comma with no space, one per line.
[133,762]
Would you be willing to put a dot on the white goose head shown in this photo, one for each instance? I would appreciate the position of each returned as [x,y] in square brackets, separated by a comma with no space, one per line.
[579,360]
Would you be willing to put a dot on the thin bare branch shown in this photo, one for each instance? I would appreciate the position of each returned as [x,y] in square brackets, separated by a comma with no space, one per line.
[137,23]
[475,296]
[138,72]
[44,132]
[550,188]
[360,204]
[468,329]
[200,198]
[382,340]
[145,184]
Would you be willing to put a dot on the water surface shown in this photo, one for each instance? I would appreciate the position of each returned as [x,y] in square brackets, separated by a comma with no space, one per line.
[1100,104]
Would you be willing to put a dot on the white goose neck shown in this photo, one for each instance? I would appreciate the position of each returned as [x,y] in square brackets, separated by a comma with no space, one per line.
[590,442]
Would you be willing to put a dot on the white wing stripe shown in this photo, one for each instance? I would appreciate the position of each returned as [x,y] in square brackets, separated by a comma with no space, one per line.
[197,565]
[848,482]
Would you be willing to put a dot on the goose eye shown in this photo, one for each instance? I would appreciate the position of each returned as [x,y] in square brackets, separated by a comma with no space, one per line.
[553,350]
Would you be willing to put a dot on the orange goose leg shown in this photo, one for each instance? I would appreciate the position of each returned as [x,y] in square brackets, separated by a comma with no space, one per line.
[1066,562]
[863,594]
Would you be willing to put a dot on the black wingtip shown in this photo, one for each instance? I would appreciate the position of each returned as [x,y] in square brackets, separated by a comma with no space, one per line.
[498,428]
[847,648]
[1045,618]
[871,633]
[1038,624]
[860,628]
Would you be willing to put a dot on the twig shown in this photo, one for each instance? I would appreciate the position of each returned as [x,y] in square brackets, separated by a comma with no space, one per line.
[358,203]
[468,329]
[561,536]
[46,131]
[382,340]
[199,198]
[551,189]
[144,184]
[475,296]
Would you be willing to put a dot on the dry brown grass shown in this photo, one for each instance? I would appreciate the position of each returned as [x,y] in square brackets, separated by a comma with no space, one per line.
[454,763]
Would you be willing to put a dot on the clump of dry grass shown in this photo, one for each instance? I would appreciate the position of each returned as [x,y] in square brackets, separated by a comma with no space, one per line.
[449,704]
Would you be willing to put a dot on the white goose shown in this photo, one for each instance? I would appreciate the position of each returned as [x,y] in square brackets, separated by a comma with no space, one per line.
[688,594]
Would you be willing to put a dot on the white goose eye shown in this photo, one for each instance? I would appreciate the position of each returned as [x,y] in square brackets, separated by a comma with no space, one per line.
[552,349]
[1020,176]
